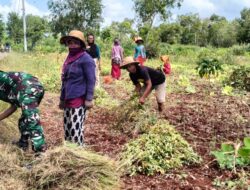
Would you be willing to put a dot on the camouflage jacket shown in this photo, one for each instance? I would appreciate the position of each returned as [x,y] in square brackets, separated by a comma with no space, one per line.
[13,84]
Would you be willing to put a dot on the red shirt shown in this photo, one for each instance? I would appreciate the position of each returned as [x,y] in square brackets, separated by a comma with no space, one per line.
[167,68]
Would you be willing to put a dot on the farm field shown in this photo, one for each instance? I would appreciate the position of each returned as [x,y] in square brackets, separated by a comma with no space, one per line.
[205,112]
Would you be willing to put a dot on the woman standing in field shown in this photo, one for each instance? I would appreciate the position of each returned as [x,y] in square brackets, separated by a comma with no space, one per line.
[78,83]
[94,51]
[140,52]
[116,59]
[24,91]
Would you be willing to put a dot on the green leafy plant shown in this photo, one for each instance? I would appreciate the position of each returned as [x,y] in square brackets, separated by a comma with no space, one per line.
[157,151]
[232,155]
[208,66]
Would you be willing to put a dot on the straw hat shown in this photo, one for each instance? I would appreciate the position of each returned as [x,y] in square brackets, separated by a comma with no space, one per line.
[73,34]
[165,58]
[128,61]
[138,39]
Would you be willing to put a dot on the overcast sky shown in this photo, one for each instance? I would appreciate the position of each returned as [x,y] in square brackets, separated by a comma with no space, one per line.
[117,10]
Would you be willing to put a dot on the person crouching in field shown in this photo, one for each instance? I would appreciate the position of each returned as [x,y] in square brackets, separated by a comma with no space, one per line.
[150,79]
[116,59]
[24,91]
[166,64]
[78,83]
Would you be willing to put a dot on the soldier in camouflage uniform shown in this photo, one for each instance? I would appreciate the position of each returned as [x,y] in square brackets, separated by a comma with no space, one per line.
[26,92]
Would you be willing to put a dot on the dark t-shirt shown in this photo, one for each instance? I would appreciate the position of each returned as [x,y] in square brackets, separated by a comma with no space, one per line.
[144,74]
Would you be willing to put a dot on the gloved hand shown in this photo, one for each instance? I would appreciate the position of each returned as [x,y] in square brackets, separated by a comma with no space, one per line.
[89,104]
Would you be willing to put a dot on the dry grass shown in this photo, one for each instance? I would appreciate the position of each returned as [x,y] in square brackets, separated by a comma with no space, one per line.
[66,167]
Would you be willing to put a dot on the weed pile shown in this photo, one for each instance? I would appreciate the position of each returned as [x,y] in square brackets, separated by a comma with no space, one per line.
[65,167]
[240,78]
[130,116]
[73,168]
[157,151]
[10,171]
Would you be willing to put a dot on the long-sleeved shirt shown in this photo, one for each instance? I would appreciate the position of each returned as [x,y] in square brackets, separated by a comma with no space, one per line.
[79,79]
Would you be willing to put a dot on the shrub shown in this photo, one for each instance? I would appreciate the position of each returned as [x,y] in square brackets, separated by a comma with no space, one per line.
[238,50]
[240,78]
[208,66]
[152,50]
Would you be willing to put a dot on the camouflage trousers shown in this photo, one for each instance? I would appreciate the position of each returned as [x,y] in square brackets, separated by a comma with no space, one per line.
[29,124]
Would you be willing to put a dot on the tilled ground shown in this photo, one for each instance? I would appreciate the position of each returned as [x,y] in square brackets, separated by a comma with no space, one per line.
[204,121]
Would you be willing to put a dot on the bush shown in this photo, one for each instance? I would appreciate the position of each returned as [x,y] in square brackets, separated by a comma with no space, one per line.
[158,151]
[240,78]
[152,50]
[238,50]
[208,66]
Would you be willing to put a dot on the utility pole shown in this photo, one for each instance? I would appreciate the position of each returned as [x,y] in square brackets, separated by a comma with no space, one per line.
[24,28]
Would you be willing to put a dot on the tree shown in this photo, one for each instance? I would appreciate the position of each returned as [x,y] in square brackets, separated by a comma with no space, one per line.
[244,28]
[191,26]
[148,10]
[2,28]
[170,33]
[36,27]
[75,14]
[15,27]
[216,18]
[222,33]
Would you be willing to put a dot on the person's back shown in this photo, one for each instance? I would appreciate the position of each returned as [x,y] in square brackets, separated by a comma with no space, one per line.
[140,52]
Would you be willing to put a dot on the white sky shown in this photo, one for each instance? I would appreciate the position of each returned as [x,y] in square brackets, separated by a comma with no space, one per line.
[117,10]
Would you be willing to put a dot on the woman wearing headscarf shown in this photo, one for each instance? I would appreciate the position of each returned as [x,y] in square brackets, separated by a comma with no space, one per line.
[78,82]
[116,59]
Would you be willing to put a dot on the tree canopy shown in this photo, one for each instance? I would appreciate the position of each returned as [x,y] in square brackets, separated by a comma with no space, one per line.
[75,14]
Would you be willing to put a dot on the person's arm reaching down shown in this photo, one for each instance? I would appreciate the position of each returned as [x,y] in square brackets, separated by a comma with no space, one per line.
[8,112]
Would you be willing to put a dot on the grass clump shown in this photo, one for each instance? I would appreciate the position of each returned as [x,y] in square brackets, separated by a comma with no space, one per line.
[158,151]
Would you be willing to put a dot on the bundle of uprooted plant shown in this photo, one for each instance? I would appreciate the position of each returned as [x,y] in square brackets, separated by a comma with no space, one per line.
[60,168]
[131,117]
[157,151]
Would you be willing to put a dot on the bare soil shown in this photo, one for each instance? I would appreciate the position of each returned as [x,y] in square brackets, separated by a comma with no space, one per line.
[204,121]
